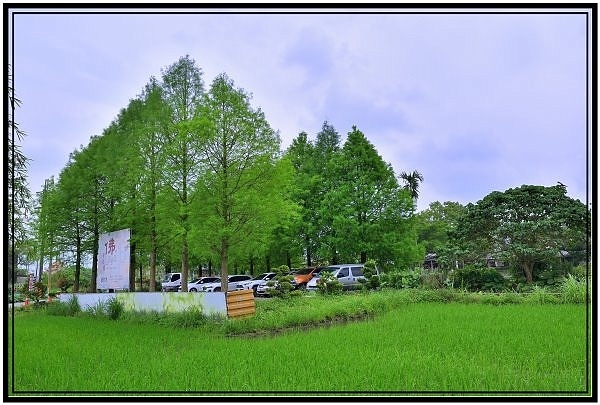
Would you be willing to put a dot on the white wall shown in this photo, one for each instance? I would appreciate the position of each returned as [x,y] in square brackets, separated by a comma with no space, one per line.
[209,303]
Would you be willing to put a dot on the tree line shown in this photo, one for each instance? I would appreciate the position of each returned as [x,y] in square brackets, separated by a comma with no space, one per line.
[198,176]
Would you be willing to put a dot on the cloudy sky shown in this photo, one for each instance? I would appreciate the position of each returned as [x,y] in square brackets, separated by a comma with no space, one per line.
[475,102]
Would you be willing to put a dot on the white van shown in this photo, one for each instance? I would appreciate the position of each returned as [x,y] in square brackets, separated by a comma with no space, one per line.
[347,274]
[171,282]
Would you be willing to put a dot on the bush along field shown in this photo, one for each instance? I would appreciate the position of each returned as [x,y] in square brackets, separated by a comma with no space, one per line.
[374,342]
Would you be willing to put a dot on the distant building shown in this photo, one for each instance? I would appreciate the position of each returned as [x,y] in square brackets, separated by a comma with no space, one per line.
[430,261]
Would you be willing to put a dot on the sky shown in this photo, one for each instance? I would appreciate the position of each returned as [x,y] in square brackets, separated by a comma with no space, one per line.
[475,102]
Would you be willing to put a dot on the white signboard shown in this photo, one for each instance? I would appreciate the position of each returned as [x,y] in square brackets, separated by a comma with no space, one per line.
[113,261]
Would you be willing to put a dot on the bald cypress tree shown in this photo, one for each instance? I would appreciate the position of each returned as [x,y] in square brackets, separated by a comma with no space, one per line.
[241,194]
[183,90]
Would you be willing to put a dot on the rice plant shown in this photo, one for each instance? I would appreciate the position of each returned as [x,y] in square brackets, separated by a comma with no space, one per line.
[414,349]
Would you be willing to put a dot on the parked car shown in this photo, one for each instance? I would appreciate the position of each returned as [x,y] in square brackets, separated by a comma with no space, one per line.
[264,289]
[197,283]
[257,281]
[311,285]
[347,274]
[171,282]
[233,283]
[303,276]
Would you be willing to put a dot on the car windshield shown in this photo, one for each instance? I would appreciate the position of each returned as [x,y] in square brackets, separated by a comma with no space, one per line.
[194,281]
[260,276]
[167,277]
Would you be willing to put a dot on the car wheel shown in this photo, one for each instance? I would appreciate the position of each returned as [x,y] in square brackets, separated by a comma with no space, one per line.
[217,289]
[254,290]
[193,290]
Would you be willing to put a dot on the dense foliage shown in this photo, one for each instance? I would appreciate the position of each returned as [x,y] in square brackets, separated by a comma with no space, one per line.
[199,178]
[525,226]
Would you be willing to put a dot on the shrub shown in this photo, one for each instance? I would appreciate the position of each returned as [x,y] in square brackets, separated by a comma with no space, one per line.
[99,309]
[371,280]
[68,308]
[578,272]
[541,295]
[63,282]
[36,293]
[552,273]
[327,284]
[282,285]
[573,291]
[401,279]
[432,279]
[475,278]
[114,308]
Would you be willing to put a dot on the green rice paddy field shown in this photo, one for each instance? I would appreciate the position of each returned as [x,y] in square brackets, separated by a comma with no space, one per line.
[417,349]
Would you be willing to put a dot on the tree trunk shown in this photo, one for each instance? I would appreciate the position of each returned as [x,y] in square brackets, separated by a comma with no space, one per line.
[153,243]
[41,269]
[224,258]
[132,267]
[141,278]
[184,264]
[153,248]
[77,260]
[528,270]
[363,257]
[152,286]
[93,285]
[94,269]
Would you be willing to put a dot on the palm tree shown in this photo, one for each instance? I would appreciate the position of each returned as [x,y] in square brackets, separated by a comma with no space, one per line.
[412,181]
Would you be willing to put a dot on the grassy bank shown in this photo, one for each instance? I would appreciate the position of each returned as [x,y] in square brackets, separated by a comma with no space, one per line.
[406,346]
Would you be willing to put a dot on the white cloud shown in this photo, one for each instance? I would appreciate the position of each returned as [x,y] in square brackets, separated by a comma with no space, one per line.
[474,102]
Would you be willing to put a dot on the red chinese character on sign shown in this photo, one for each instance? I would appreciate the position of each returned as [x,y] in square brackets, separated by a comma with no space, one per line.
[110,246]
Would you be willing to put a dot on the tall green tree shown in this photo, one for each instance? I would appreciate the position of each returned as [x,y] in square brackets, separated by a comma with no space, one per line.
[183,91]
[436,222]
[92,169]
[327,151]
[19,196]
[154,125]
[370,210]
[524,226]
[41,230]
[307,180]
[69,211]
[241,195]
[119,162]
